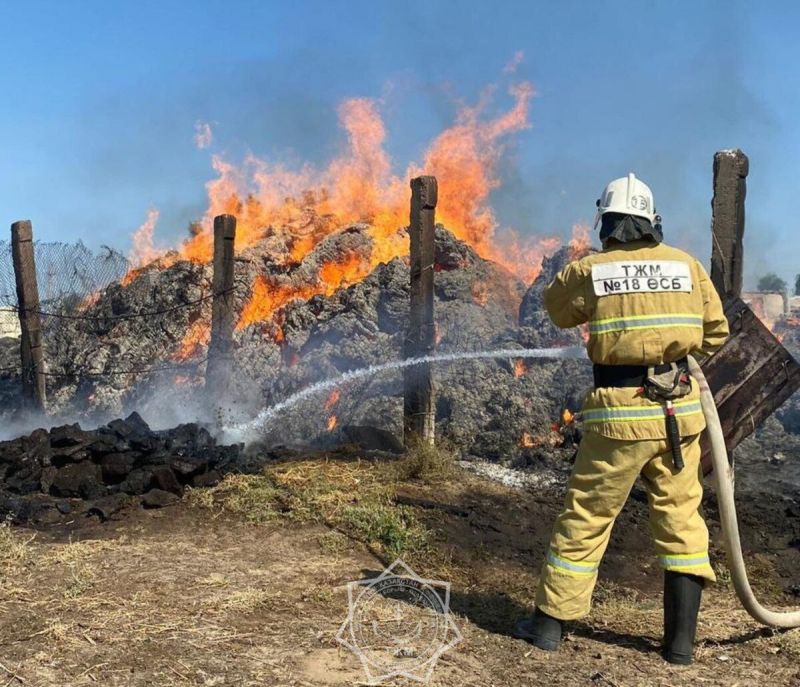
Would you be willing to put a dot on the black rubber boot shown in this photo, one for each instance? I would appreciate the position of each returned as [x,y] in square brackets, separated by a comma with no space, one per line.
[541,630]
[682,594]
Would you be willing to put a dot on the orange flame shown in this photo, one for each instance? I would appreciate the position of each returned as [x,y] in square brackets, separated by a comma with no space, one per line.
[332,423]
[480,294]
[333,399]
[267,297]
[520,368]
[300,207]
[197,337]
[143,251]
[359,185]
[89,301]
[580,243]
[567,417]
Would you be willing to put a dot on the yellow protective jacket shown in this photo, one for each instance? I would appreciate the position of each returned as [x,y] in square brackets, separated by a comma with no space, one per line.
[645,304]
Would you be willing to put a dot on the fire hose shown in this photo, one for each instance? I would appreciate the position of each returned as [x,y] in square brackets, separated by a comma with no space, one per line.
[727,512]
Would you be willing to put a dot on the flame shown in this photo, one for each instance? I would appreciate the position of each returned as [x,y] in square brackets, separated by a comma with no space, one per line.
[332,423]
[520,368]
[197,337]
[480,293]
[266,297]
[567,417]
[143,251]
[89,301]
[580,243]
[300,206]
[359,186]
[269,296]
[333,399]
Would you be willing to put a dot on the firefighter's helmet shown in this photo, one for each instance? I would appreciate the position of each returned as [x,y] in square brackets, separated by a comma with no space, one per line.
[627,196]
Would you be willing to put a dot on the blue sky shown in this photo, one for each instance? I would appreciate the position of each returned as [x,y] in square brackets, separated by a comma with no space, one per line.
[100,101]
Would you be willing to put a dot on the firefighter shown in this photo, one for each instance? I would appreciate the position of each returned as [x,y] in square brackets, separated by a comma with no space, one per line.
[647,306]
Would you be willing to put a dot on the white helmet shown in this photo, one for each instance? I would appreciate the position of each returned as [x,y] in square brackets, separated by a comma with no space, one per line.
[627,196]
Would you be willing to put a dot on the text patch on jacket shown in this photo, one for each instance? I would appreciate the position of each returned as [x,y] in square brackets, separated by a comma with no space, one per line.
[645,276]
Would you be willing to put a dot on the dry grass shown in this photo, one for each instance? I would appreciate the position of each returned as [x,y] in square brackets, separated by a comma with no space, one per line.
[427,463]
[247,600]
[354,499]
[254,497]
[180,598]
[14,548]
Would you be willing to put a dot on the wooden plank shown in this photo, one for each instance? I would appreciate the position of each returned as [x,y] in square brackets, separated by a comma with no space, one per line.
[31,351]
[418,406]
[750,376]
[727,221]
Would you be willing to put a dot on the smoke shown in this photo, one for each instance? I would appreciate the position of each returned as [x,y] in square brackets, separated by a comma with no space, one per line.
[248,431]
[599,113]
[514,63]
[203,136]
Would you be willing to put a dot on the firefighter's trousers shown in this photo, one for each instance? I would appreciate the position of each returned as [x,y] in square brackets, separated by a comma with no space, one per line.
[604,472]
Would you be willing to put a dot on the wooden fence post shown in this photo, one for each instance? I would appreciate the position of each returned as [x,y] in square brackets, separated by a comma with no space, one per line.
[31,351]
[418,405]
[220,349]
[727,221]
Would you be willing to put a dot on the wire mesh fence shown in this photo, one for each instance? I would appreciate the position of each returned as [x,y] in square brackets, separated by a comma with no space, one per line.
[83,333]
[67,273]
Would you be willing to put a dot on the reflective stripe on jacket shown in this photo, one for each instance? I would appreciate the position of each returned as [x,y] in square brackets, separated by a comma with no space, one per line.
[640,315]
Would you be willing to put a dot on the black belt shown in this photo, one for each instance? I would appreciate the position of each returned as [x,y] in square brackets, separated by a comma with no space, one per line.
[630,375]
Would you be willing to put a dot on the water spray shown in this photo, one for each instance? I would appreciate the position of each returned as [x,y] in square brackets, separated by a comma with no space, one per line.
[242,432]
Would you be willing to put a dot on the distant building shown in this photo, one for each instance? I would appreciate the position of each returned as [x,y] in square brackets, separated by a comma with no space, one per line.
[9,323]
[768,307]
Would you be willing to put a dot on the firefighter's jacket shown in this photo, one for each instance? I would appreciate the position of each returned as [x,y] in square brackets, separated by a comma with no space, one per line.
[645,304]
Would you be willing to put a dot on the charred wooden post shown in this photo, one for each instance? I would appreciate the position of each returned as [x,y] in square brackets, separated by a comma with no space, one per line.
[418,405]
[31,351]
[727,221]
[220,349]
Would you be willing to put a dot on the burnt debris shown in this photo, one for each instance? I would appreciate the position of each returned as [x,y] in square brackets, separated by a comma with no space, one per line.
[49,476]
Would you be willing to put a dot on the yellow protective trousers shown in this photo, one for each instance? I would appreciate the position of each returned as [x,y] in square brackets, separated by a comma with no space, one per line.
[604,473]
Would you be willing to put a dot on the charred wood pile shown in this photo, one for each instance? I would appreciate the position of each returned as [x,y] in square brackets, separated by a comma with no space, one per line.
[55,475]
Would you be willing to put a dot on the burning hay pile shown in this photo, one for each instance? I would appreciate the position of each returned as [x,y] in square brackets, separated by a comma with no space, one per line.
[319,292]
[302,321]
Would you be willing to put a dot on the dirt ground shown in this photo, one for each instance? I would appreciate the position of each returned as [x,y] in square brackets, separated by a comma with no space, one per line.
[198,595]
